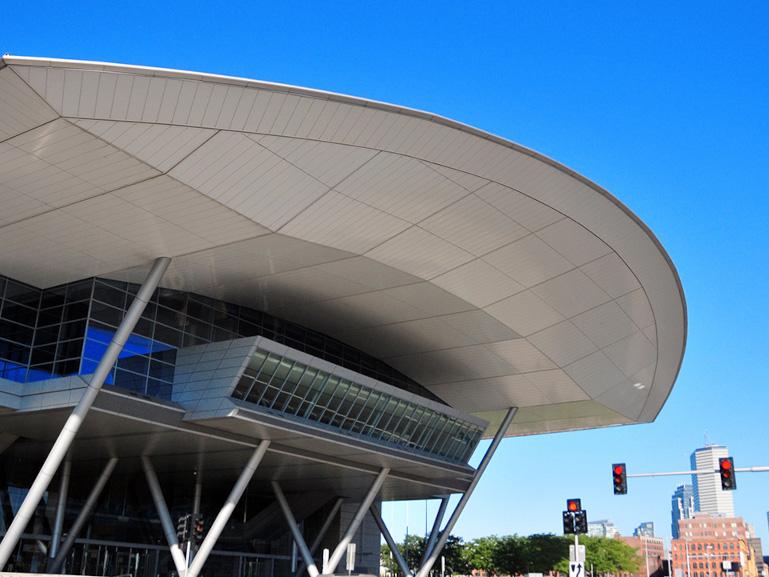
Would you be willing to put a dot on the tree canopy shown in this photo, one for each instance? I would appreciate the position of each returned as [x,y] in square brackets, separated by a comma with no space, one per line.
[517,555]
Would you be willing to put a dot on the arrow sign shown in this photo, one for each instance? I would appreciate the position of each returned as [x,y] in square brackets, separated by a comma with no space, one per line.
[575,570]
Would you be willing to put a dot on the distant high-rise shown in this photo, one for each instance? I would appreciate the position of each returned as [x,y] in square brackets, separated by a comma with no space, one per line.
[682,507]
[645,529]
[708,495]
[602,528]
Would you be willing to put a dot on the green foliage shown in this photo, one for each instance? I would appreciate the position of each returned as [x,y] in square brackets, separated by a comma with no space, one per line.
[413,548]
[481,554]
[606,556]
[516,555]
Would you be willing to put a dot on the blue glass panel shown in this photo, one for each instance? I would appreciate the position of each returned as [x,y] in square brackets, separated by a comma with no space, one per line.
[94,350]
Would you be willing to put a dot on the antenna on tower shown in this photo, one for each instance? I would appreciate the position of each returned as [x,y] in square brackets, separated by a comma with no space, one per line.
[707,439]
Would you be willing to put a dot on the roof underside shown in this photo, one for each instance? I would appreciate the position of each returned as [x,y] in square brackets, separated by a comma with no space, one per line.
[486,272]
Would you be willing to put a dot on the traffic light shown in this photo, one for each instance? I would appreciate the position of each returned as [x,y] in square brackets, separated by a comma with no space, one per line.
[573,505]
[619,477]
[726,469]
[568,523]
[198,527]
[580,521]
[183,526]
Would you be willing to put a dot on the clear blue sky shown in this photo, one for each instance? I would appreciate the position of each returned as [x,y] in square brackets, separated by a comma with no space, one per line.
[666,104]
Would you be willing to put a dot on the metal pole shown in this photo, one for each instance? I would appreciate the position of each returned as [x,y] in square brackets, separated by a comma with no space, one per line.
[433,557]
[322,532]
[435,530]
[699,472]
[402,563]
[61,506]
[165,518]
[299,541]
[85,512]
[229,506]
[198,491]
[72,425]
[340,550]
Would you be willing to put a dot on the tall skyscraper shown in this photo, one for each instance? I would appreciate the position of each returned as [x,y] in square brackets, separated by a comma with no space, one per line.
[682,507]
[708,495]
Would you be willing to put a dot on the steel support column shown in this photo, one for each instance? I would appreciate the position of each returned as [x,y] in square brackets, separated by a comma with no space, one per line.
[75,420]
[435,553]
[82,517]
[224,515]
[61,506]
[340,550]
[390,542]
[312,569]
[322,532]
[165,517]
[435,530]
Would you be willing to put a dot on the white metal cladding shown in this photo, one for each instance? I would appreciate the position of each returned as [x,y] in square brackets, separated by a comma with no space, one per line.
[489,273]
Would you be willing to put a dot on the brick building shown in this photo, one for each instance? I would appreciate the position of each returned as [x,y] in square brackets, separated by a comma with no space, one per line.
[706,542]
[651,551]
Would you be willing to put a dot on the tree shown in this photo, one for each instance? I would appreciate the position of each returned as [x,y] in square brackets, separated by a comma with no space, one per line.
[606,556]
[544,552]
[455,560]
[511,555]
[481,554]
[413,548]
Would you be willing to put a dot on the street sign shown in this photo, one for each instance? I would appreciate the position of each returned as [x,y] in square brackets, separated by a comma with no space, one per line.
[576,570]
[578,555]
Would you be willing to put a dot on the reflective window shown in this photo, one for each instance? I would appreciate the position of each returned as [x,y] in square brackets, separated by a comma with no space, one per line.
[289,388]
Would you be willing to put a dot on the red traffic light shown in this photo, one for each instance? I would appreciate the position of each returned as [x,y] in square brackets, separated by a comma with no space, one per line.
[726,469]
[619,478]
[573,505]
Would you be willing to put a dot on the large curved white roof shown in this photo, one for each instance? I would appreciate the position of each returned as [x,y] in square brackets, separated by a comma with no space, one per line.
[485,271]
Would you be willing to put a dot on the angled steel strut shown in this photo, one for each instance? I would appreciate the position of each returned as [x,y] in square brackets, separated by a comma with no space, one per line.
[75,419]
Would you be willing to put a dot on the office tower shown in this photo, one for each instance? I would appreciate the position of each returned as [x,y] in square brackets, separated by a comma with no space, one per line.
[682,506]
[708,495]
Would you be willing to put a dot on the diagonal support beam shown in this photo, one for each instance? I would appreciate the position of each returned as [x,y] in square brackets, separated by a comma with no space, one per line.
[435,553]
[340,550]
[229,506]
[72,425]
[299,541]
[435,530]
[85,513]
[322,532]
[404,566]
[165,517]
[61,506]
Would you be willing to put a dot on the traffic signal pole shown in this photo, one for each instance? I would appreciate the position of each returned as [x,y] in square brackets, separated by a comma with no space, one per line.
[699,472]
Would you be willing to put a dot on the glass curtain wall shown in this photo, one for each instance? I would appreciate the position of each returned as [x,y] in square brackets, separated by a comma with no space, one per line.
[290,388]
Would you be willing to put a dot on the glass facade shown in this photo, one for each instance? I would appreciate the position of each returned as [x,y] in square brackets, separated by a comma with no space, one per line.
[290,388]
[65,329]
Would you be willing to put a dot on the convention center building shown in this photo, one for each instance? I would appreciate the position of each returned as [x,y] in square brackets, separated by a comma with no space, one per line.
[237,316]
